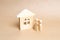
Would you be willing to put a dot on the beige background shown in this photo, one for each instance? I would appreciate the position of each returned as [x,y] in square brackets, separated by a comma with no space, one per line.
[47,10]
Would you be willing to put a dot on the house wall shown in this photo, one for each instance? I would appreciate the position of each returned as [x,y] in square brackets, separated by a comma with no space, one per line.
[28,26]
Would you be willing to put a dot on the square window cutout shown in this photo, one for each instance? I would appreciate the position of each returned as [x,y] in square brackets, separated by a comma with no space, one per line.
[28,22]
[25,23]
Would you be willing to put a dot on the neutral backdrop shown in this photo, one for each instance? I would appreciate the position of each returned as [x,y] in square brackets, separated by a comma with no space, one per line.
[47,10]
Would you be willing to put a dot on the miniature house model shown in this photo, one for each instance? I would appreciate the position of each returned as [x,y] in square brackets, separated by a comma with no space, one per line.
[27,19]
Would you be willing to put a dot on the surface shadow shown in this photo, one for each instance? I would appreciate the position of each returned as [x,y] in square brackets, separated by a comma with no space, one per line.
[16,25]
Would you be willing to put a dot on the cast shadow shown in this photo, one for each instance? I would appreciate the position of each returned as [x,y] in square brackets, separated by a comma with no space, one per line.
[16,25]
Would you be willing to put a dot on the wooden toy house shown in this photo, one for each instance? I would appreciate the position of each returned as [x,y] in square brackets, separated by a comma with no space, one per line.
[26,19]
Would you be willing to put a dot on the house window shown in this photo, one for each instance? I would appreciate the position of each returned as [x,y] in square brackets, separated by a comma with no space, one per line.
[27,21]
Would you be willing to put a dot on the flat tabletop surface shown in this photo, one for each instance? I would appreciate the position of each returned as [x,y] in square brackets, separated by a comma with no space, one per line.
[47,10]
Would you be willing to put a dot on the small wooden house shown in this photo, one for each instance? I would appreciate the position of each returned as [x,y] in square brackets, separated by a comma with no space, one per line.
[26,19]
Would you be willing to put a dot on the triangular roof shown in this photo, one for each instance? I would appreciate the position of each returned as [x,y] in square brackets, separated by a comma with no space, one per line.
[24,13]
